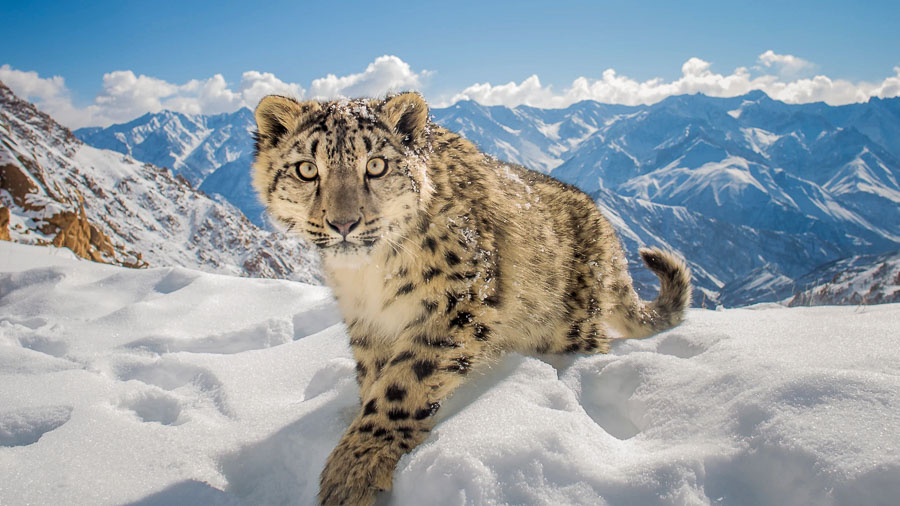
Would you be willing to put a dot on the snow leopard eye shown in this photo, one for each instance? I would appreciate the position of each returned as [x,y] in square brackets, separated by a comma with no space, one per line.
[307,171]
[376,167]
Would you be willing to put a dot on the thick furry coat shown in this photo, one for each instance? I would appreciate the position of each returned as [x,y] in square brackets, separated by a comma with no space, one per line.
[441,258]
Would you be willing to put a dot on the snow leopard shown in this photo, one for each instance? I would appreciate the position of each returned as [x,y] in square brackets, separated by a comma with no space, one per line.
[441,258]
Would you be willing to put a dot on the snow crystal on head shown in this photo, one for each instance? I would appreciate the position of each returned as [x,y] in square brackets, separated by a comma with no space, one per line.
[357,108]
[361,109]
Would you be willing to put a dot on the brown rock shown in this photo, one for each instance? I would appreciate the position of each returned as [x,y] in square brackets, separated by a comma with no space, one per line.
[74,231]
[17,183]
[4,224]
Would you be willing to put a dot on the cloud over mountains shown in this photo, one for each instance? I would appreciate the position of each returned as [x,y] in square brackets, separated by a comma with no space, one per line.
[124,95]
[783,77]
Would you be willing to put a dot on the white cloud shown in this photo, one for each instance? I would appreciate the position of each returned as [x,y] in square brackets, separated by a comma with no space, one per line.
[385,74]
[256,85]
[890,87]
[214,96]
[529,92]
[29,83]
[125,96]
[50,93]
[696,77]
[786,65]
[612,88]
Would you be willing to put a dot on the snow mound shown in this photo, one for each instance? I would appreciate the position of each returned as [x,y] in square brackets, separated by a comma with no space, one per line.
[172,386]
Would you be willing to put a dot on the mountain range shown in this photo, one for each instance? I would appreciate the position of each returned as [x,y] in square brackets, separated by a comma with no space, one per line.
[745,188]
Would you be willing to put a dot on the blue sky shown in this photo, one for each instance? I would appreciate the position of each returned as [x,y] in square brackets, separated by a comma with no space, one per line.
[458,43]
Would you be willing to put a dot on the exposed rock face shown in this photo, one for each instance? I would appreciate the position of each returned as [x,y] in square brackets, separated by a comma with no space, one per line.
[14,180]
[50,211]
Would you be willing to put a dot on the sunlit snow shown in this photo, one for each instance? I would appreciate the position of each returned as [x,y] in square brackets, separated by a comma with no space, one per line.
[173,386]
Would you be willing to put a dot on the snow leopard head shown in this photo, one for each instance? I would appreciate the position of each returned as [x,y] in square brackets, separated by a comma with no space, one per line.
[346,175]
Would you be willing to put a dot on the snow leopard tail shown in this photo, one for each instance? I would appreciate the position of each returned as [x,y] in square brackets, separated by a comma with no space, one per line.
[638,318]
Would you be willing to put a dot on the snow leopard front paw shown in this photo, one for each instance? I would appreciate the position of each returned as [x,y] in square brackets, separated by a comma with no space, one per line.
[356,471]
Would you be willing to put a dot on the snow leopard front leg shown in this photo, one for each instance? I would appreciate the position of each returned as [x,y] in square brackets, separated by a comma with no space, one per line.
[428,362]
[370,358]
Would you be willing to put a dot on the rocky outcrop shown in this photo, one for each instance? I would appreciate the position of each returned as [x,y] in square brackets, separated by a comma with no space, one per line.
[73,230]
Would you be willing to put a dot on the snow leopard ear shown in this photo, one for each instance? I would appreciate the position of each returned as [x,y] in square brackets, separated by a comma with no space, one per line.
[407,114]
[275,115]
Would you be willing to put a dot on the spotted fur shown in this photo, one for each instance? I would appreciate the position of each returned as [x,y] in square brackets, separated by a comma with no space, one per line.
[441,263]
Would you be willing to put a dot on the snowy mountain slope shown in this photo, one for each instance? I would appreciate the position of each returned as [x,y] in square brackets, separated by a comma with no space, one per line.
[716,251]
[690,151]
[763,284]
[863,279]
[110,208]
[172,386]
[192,145]
[536,138]
[211,152]
[232,182]
[856,280]
[743,193]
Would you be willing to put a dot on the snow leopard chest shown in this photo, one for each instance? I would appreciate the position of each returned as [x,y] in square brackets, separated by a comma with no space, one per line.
[367,293]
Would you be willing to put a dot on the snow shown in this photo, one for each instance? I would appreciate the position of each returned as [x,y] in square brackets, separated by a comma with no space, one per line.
[727,181]
[759,140]
[589,130]
[173,386]
[862,279]
[16,257]
[551,131]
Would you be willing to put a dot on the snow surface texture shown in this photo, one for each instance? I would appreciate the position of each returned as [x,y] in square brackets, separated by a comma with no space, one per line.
[173,386]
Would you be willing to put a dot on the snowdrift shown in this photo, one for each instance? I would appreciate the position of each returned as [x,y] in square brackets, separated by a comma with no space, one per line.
[173,386]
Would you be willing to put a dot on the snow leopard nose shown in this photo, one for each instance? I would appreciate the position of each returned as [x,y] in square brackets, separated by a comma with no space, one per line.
[343,228]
